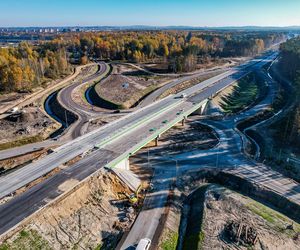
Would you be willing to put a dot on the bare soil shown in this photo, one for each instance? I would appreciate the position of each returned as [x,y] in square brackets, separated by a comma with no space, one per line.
[187,84]
[21,160]
[6,100]
[30,122]
[218,218]
[162,67]
[94,124]
[218,99]
[126,85]
[94,215]
[193,136]
[223,206]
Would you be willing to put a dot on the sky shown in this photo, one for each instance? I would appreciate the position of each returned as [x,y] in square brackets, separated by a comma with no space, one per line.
[196,13]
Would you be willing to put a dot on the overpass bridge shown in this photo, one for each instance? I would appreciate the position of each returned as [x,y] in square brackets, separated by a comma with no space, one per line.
[122,138]
[109,146]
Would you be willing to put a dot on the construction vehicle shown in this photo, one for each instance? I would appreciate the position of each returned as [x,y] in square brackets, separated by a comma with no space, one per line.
[133,198]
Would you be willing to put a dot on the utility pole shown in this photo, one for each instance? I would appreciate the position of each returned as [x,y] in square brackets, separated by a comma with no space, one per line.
[66,118]
[176,162]
[217,161]
[148,158]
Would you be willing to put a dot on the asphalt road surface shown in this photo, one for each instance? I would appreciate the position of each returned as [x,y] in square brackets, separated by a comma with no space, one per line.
[227,156]
[65,99]
[115,130]
[155,94]
[116,138]
[75,130]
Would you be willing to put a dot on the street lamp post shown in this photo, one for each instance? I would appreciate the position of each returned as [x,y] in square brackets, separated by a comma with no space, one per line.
[66,118]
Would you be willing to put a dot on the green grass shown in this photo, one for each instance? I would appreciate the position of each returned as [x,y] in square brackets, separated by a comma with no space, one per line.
[98,247]
[244,94]
[194,241]
[21,142]
[27,240]
[276,220]
[170,243]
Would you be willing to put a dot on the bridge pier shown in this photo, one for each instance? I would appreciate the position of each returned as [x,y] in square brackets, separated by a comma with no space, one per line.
[183,122]
[201,110]
[124,164]
[156,140]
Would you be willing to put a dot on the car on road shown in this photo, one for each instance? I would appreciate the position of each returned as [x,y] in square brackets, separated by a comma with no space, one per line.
[144,244]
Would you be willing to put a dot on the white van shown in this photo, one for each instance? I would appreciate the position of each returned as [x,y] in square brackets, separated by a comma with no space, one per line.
[144,244]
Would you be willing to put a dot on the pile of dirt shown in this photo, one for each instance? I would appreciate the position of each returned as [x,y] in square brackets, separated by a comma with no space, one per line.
[30,122]
[91,216]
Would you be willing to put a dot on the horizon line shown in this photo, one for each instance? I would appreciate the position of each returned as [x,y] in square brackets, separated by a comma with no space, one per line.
[152,26]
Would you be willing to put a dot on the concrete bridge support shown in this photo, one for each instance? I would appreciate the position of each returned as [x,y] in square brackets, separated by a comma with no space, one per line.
[201,110]
[183,121]
[124,164]
[156,141]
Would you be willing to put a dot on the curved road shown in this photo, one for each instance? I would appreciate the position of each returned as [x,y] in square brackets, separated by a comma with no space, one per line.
[228,155]
[83,113]
[113,141]
[73,131]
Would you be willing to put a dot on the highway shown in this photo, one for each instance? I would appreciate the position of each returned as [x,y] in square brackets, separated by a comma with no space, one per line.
[65,98]
[227,155]
[117,129]
[86,112]
[155,94]
[117,139]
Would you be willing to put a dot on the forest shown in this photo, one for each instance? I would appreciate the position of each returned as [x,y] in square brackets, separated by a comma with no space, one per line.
[27,66]
[290,66]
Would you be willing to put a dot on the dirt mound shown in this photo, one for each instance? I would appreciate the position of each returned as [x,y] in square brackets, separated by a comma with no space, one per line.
[93,216]
[23,117]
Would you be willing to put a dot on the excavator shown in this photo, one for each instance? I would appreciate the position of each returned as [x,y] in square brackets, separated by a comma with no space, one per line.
[133,198]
